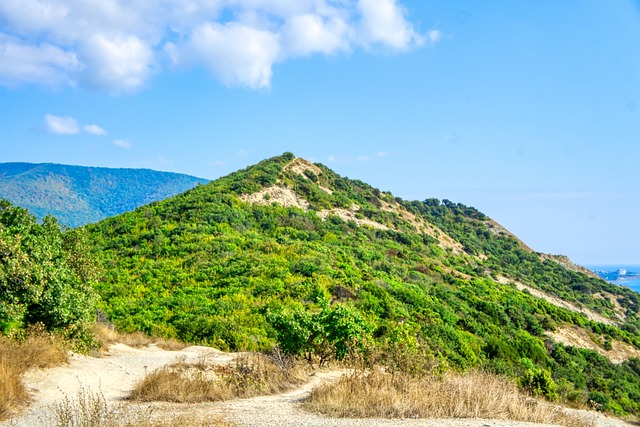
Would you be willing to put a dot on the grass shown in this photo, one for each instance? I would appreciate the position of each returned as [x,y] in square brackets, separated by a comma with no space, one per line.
[106,335]
[40,350]
[250,375]
[91,410]
[378,394]
[37,350]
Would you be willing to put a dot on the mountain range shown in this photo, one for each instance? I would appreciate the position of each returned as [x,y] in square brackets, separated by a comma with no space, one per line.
[78,195]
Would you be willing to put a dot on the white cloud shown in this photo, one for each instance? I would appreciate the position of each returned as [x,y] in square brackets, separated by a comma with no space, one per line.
[118,45]
[22,63]
[384,23]
[237,54]
[94,130]
[61,125]
[123,143]
[434,36]
[309,33]
[118,64]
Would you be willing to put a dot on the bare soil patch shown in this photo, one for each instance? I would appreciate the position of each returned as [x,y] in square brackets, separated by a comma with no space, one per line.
[578,337]
[559,302]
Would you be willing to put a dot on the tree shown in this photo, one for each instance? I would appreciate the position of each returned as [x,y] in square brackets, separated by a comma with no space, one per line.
[46,275]
[328,333]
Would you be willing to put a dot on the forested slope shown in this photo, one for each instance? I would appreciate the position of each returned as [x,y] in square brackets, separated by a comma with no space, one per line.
[77,195]
[288,253]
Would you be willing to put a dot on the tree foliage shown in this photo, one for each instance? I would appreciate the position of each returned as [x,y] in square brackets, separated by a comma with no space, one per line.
[47,276]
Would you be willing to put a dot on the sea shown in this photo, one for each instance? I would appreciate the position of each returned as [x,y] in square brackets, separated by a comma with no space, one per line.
[610,273]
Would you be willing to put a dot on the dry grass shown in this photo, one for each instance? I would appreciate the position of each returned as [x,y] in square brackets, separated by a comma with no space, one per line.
[91,410]
[37,350]
[251,375]
[473,395]
[106,335]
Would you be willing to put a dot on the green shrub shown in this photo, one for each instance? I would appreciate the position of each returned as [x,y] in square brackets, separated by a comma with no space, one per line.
[538,382]
[46,276]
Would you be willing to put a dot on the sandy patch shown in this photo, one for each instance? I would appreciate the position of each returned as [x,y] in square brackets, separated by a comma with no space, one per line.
[578,337]
[113,375]
[276,194]
[350,215]
[589,314]
[300,166]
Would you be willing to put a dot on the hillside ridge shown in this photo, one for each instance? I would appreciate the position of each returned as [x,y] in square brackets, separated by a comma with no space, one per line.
[290,255]
[77,195]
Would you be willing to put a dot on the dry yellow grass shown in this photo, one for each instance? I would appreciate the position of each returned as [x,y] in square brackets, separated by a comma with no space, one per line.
[91,410]
[474,395]
[251,375]
[37,350]
[106,335]
[12,391]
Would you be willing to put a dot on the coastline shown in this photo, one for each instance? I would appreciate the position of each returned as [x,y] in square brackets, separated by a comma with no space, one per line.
[632,281]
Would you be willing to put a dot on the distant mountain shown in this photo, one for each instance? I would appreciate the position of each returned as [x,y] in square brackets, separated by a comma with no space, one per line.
[290,253]
[78,195]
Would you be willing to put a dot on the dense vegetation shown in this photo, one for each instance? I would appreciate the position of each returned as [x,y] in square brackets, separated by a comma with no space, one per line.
[77,195]
[47,277]
[207,267]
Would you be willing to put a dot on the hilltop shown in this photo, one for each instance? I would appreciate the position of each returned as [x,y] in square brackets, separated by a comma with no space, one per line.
[78,195]
[290,254]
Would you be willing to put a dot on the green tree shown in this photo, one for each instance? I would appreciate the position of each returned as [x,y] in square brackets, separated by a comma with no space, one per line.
[46,275]
[328,333]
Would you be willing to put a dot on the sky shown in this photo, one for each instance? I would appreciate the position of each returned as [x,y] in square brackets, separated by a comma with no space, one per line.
[528,111]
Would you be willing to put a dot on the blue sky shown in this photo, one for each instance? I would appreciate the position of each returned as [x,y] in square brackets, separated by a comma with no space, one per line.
[529,111]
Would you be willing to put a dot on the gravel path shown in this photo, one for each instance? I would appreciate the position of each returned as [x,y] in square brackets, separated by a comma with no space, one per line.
[115,374]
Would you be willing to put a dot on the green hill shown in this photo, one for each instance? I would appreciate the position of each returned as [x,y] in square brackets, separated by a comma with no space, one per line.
[291,254]
[78,195]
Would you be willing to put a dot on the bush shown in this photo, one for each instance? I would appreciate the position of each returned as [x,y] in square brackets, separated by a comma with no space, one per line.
[46,275]
[538,382]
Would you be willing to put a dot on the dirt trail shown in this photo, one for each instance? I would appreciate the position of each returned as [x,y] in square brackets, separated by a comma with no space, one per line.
[115,374]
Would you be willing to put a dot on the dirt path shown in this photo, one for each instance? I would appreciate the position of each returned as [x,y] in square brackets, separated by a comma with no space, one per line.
[115,374]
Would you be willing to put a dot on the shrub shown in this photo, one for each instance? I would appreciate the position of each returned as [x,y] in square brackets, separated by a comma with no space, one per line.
[46,275]
[538,382]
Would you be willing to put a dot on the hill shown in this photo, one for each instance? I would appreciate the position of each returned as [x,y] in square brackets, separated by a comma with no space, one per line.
[78,195]
[290,253]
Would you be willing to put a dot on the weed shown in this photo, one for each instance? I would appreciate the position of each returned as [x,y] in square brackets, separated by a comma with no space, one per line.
[90,409]
[37,349]
[250,375]
[376,393]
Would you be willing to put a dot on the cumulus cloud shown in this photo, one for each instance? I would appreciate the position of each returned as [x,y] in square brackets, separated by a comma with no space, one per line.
[123,143]
[238,55]
[309,33]
[118,45]
[384,22]
[94,130]
[21,63]
[118,64]
[61,125]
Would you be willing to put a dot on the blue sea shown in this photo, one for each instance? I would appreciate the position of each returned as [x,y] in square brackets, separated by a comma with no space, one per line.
[630,280]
